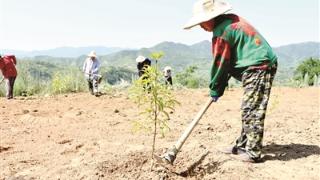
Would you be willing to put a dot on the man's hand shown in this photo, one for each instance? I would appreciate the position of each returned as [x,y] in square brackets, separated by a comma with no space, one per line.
[215,98]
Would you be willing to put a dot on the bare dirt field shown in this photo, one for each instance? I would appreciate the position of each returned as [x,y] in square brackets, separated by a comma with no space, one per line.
[79,136]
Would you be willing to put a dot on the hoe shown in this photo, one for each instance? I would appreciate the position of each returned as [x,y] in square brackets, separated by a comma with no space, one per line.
[171,154]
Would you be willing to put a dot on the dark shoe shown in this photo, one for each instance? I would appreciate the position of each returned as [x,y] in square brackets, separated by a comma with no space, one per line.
[246,158]
[229,150]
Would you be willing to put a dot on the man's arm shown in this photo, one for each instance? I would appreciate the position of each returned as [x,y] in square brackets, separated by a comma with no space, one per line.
[96,67]
[14,60]
[220,67]
[84,66]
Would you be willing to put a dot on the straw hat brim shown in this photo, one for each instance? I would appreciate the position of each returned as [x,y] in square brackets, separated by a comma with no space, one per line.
[92,55]
[140,59]
[167,68]
[203,17]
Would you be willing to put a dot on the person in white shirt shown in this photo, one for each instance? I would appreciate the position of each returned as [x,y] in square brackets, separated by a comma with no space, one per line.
[91,71]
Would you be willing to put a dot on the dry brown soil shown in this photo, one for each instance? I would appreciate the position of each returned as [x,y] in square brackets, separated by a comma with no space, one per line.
[79,136]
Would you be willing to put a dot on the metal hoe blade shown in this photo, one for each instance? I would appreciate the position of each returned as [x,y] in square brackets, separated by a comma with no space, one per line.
[171,154]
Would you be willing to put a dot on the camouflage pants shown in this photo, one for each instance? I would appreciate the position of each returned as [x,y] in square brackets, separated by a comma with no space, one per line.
[257,86]
[93,85]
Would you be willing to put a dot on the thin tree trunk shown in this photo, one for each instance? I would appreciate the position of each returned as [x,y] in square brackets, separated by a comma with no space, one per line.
[154,134]
[155,129]
[155,96]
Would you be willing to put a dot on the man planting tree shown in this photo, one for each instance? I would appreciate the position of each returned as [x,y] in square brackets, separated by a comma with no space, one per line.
[239,51]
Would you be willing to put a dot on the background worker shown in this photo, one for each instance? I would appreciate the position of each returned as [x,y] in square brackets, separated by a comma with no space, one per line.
[239,51]
[8,68]
[91,70]
[143,63]
[168,75]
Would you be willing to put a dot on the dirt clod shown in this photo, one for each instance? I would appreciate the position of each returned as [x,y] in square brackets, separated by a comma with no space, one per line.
[25,111]
[3,149]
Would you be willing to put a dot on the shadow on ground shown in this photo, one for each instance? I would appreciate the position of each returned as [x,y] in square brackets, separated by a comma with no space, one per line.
[199,168]
[289,152]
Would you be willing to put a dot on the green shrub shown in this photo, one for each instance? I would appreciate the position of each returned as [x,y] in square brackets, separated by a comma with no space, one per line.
[190,79]
[67,82]
[307,71]
[114,75]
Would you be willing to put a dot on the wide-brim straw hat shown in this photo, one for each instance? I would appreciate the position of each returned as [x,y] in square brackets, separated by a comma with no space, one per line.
[140,59]
[92,54]
[167,68]
[204,10]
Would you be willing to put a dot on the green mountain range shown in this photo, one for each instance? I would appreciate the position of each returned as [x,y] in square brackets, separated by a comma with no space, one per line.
[180,56]
[177,55]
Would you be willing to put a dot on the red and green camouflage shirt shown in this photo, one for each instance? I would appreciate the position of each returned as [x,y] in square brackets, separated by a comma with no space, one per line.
[236,45]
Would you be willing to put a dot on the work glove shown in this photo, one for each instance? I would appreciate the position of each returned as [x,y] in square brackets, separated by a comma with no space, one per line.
[215,98]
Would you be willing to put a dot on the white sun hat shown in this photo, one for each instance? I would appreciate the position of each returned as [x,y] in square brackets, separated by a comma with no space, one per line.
[140,59]
[92,54]
[167,68]
[204,10]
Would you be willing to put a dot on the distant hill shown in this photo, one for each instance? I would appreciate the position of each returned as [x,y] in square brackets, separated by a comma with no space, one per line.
[291,55]
[176,55]
[179,56]
[64,51]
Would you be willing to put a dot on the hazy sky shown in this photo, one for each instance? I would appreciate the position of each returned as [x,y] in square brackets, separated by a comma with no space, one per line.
[44,24]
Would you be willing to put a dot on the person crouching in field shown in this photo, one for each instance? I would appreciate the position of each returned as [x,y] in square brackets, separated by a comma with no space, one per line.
[167,75]
[91,70]
[9,72]
[239,51]
[143,63]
